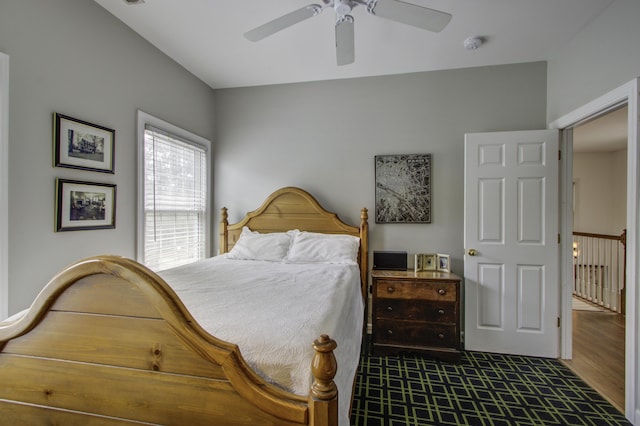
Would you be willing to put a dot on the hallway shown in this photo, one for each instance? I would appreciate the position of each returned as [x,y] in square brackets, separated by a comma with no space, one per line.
[598,352]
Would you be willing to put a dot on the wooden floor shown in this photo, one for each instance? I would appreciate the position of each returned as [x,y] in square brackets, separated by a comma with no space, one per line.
[598,353]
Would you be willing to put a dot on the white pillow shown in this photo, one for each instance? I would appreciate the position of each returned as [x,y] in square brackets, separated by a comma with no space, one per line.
[256,246]
[311,247]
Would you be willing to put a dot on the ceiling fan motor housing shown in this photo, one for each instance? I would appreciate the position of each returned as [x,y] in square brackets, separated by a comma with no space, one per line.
[342,7]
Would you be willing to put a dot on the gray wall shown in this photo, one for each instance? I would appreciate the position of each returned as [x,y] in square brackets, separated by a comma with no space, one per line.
[72,57]
[323,137]
[600,189]
[603,56]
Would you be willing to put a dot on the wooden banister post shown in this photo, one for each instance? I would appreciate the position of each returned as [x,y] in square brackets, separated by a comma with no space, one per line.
[323,399]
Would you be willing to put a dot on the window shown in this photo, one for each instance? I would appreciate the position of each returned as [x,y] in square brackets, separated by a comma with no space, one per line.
[173,216]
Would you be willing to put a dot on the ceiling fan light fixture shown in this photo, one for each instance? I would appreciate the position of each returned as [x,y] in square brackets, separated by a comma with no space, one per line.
[342,7]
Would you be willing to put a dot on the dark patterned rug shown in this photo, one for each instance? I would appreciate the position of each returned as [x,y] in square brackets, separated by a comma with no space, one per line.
[483,389]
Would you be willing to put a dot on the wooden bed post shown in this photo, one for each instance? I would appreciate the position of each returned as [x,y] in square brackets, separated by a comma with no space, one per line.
[323,400]
[364,250]
[224,234]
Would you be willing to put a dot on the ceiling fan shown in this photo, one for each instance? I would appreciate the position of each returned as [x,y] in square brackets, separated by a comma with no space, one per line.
[395,10]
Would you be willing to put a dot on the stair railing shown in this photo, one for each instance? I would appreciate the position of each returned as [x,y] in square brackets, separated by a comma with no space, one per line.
[599,264]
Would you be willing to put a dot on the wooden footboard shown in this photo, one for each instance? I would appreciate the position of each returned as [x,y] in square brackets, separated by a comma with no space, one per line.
[107,341]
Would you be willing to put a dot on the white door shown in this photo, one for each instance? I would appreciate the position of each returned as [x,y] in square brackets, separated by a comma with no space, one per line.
[511,293]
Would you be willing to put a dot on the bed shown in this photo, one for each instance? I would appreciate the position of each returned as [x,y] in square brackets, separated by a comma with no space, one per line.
[108,341]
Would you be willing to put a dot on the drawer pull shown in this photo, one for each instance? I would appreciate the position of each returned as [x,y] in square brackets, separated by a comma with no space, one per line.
[442,291]
[440,336]
[389,308]
[389,332]
[391,289]
[441,311]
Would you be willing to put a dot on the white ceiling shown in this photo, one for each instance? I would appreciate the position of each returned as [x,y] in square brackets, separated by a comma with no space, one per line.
[206,37]
[605,133]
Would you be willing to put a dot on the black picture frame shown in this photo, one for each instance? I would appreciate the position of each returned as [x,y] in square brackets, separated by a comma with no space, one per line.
[403,188]
[84,206]
[82,145]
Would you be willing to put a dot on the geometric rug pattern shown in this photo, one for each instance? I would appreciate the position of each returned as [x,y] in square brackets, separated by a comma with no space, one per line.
[483,389]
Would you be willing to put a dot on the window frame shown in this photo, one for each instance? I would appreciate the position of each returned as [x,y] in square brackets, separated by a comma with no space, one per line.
[144,119]
[4,186]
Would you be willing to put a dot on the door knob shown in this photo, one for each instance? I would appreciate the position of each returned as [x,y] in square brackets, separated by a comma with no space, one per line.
[472,252]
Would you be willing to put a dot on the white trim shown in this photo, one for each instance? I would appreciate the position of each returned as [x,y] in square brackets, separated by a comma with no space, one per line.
[627,93]
[142,119]
[4,186]
[566,242]
[595,108]
[632,357]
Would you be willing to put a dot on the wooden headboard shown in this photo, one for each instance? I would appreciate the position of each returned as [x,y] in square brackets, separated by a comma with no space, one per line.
[294,208]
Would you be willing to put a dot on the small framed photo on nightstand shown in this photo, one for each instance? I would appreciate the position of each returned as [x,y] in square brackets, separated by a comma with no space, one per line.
[425,262]
[443,263]
[417,264]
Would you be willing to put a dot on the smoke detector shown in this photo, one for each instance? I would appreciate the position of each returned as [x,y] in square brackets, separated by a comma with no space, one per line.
[472,43]
[132,2]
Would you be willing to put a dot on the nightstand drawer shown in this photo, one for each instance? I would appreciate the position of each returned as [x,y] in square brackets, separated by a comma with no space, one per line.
[414,289]
[424,334]
[416,310]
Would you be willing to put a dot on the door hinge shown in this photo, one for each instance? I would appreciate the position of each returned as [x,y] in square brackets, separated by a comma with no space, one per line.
[558,322]
[559,155]
[558,238]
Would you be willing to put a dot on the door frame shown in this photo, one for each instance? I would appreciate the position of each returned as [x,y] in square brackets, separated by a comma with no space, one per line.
[625,94]
[4,186]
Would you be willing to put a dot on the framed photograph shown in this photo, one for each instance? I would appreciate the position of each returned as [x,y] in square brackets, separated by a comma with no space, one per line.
[84,205]
[429,262]
[425,262]
[417,263]
[82,145]
[443,263]
[403,188]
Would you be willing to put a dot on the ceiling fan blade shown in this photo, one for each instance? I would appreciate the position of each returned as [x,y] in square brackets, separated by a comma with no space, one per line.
[345,48]
[410,14]
[283,22]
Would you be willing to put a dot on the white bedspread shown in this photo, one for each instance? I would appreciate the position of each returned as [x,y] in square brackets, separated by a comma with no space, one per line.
[274,311]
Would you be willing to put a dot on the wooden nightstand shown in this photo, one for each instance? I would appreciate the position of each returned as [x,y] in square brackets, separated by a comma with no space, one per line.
[417,312]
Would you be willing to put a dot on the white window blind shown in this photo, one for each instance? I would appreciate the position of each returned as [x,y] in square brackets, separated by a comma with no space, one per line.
[175,200]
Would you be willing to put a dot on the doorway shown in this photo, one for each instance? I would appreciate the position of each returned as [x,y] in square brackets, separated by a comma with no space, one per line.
[599,222]
[625,94]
